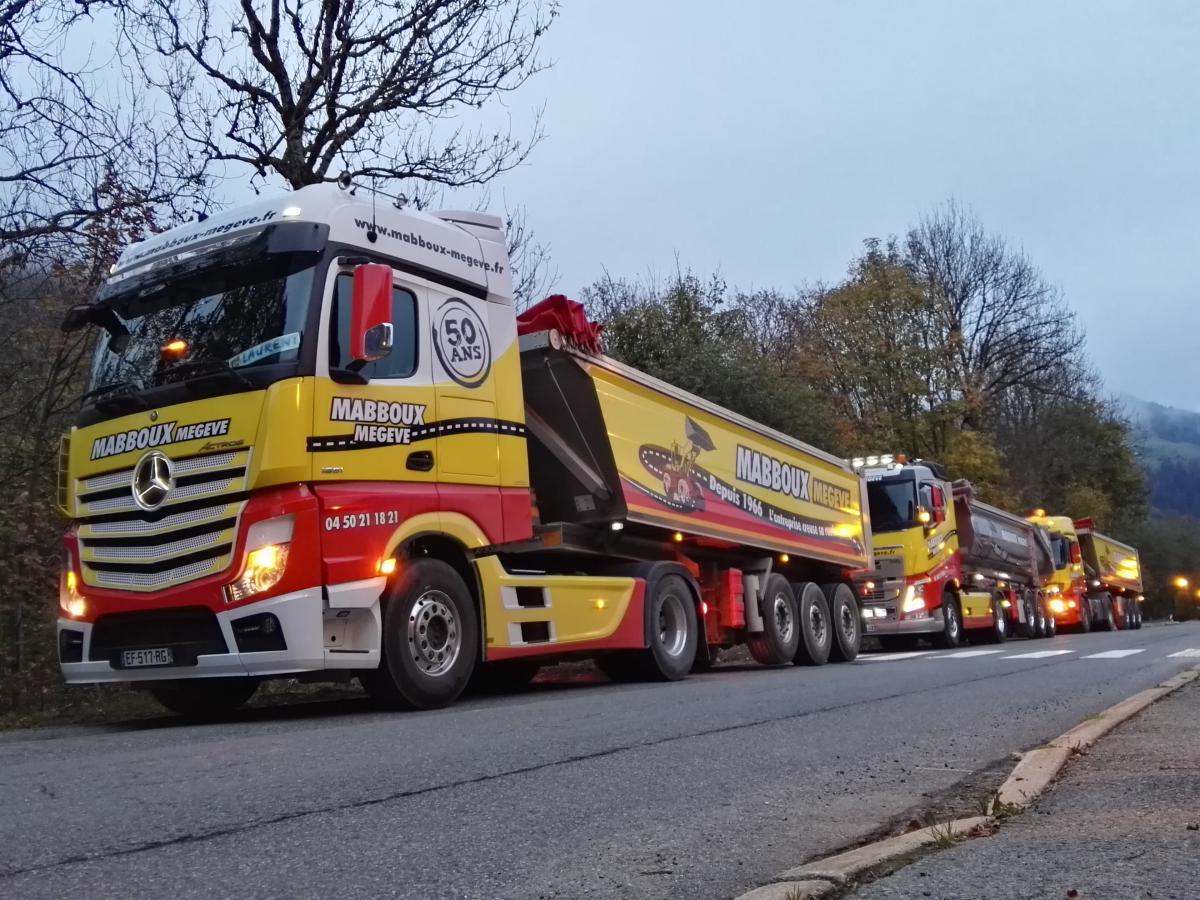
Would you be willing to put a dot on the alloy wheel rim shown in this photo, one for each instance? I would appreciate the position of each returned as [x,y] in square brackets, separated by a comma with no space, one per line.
[434,635]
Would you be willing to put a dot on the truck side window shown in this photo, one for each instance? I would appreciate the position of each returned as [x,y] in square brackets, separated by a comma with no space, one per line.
[402,361]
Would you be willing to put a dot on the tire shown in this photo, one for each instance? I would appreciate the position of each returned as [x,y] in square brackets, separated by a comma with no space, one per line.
[951,634]
[673,635]
[776,643]
[1085,615]
[503,677]
[998,633]
[1029,628]
[846,620]
[897,643]
[1138,620]
[1109,622]
[430,639]
[816,628]
[1051,622]
[204,698]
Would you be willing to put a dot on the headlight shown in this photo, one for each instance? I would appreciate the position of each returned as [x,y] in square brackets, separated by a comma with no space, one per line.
[266,558]
[69,599]
[1057,606]
[914,597]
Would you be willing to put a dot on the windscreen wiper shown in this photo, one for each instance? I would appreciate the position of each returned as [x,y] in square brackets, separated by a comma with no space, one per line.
[194,372]
[115,396]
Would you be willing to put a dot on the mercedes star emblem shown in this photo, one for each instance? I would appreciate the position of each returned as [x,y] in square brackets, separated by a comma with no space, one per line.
[152,480]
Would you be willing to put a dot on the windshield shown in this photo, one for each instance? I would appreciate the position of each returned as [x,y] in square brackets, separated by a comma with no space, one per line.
[893,503]
[1060,550]
[247,316]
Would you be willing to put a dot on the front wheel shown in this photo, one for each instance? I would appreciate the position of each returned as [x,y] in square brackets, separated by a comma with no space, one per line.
[430,638]
[204,698]
[951,634]
[843,610]
[1085,615]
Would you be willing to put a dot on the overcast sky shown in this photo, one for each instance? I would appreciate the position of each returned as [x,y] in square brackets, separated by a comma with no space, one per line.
[767,139]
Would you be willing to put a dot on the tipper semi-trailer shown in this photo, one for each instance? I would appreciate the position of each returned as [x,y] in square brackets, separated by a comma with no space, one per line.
[317,442]
[1097,580]
[945,563]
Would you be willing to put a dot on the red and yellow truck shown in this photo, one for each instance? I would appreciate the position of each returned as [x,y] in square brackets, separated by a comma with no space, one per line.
[317,442]
[947,564]
[1097,580]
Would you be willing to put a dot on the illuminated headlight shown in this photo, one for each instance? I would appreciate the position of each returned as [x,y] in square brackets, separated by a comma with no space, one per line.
[69,599]
[266,558]
[1053,589]
[1057,606]
[914,598]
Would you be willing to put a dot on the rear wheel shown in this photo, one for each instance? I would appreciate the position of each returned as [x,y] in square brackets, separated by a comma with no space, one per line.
[776,643]
[998,633]
[1085,615]
[816,629]
[430,638]
[951,634]
[1051,622]
[673,637]
[1109,621]
[1029,628]
[843,611]
[204,698]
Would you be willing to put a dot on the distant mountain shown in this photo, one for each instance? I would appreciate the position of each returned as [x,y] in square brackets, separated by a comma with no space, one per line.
[1169,440]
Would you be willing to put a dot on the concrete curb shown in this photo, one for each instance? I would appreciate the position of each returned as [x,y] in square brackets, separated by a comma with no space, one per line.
[844,866]
[1028,780]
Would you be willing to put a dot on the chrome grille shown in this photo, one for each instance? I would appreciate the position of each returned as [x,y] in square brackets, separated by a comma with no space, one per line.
[122,546]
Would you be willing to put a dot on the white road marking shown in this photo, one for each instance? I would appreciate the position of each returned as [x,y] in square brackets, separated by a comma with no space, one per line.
[893,657]
[1112,654]
[1041,654]
[1191,651]
[967,654]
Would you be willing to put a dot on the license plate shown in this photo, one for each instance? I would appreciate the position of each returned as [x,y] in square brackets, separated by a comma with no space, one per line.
[159,656]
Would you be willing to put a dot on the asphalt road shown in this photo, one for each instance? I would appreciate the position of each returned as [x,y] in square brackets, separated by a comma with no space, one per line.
[699,789]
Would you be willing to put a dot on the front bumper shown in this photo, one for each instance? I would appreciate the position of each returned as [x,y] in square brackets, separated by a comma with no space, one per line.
[306,626]
[889,625]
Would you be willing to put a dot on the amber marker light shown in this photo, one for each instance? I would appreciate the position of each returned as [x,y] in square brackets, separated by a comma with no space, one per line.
[1180,582]
[387,566]
[175,349]
[678,537]
[784,558]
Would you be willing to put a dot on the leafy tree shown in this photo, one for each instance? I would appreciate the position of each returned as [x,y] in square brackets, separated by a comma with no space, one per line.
[692,334]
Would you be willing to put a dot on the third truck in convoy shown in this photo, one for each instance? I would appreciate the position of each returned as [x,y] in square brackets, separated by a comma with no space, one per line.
[1097,580]
[318,442]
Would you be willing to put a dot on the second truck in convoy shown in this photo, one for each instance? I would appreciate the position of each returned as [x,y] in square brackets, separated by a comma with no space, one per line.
[317,442]
[946,563]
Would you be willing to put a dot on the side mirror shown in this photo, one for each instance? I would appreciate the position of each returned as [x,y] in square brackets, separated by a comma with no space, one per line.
[939,505]
[939,515]
[371,313]
[1076,554]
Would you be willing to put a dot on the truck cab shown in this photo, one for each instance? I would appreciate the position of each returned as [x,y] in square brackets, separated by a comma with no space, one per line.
[1066,587]
[912,589]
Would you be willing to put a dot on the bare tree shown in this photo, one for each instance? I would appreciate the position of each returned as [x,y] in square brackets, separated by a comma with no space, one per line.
[534,272]
[1002,323]
[68,121]
[308,91]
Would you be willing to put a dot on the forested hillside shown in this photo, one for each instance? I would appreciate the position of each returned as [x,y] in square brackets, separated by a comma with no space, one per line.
[1169,445]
